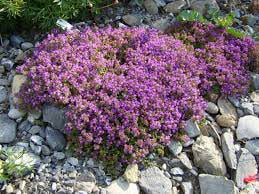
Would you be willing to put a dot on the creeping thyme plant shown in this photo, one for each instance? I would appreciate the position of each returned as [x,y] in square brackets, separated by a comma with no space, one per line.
[128,91]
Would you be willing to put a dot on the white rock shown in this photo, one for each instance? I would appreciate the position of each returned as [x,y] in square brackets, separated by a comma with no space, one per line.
[131,173]
[228,149]
[120,186]
[18,81]
[226,107]
[248,127]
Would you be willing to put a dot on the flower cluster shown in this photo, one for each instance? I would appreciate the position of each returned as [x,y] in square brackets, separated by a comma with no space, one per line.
[224,58]
[128,90]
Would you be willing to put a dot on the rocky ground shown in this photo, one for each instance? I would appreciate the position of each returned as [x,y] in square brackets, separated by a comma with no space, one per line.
[221,151]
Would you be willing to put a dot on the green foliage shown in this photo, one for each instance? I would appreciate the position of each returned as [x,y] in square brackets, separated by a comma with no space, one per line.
[214,16]
[44,13]
[9,167]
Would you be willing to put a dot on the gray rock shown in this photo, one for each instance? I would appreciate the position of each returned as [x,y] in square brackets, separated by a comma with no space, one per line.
[151,6]
[59,155]
[18,81]
[161,24]
[3,94]
[175,147]
[256,109]
[192,129]
[4,82]
[235,101]
[16,41]
[208,156]
[187,187]
[249,19]
[7,63]
[34,129]
[226,120]
[73,161]
[246,167]
[212,108]
[15,113]
[247,108]
[255,96]
[131,20]
[45,150]
[120,186]
[26,45]
[38,140]
[160,3]
[2,69]
[34,115]
[253,146]
[202,6]
[7,129]
[210,184]
[177,171]
[85,182]
[175,7]
[35,148]
[29,160]
[55,139]
[255,81]
[185,160]
[228,149]
[248,127]
[54,116]
[24,126]
[226,107]
[153,181]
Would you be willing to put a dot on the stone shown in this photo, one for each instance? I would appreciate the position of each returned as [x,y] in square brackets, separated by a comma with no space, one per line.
[151,6]
[55,139]
[246,167]
[249,19]
[235,101]
[26,45]
[175,147]
[59,155]
[73,161]
[9,189]
[153,181]
[7,129]
[226,120]
[256,109]
[212,108]
[131,20]
[177,171]
[18,81]
[185,160]
[226,107]
[228,148]
[4,82]
[120,186]
[22,185]
[187,187]
[192,129]
[45,150]
[16,41]
[35,148]
[15,113]
[131,173]
[29,159]
[247,108]
[161,24]
[253,146]
[34,129]
[208,156]
[54,116]
[255,96]
[3,94]
[85,182]
[248,127]
[34,115]
[210,184]
[160,3]
[38,140]
[7,63]
[202,6]
[255,81]
[175,7]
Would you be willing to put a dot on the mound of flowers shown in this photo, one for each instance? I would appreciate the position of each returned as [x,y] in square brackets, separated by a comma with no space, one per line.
[127,90]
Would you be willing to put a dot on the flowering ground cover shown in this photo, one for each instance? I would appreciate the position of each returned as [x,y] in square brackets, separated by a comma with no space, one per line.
[128,90]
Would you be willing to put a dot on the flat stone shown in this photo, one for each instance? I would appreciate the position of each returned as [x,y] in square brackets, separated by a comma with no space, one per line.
[253,146]
[153,181]
[120,186]
[175,7]
[161,24]
[177,171]
[228,149]
[192,129]
[212,108]
[226,107]
[187,187]
[208,156]
[7,129]
[16,41]
[73,161]
[175,147]
[59,155]
[38,140]
[3,94]
[234,100]
[15,113]
[210,184]
[246,167]
[26,45]
[151,6]
[131,173]
[45,150]
[248,127]
[131,20]
[34,129]
[55,139]
[226,120]
[185,160]
[54,116]
[247,108]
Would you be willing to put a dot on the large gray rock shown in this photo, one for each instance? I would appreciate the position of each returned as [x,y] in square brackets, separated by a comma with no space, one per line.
[192,129]
[228,149]
[175,7]
[226,107]
[208,156]
[151,6]
[3,94]
[210,184]
[7,129]
[54,116]
[153,181]
[55,139]
[120,186]
[246,167]
[248,127]
[253,146]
